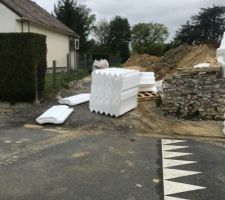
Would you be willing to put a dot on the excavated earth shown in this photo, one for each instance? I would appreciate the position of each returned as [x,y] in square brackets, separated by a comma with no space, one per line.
[146,119]
[184,56]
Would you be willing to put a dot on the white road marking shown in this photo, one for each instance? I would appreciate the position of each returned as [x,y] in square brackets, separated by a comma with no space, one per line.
[171,187]
[173,198]
[169,154]
[175,173]
[170,147]
[164,141]
[173,163]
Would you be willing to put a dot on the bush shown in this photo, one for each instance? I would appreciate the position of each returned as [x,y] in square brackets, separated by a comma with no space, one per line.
[22,66]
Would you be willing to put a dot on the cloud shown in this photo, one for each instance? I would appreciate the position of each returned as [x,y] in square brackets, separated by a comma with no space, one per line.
[172,13]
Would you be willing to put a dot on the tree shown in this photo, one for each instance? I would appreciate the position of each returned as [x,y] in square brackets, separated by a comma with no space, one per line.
[208,24]
[119,37]
[102,32]
[149,38]
[77,17]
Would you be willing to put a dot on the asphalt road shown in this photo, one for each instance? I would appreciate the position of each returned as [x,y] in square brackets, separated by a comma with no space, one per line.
[108,166]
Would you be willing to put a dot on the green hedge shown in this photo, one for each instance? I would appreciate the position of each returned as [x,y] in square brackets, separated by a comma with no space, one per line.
[22,66]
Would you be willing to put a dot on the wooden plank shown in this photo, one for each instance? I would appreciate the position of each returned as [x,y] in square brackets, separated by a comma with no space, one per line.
[147,96]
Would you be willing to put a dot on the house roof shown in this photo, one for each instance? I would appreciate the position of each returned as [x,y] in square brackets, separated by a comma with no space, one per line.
[30,11]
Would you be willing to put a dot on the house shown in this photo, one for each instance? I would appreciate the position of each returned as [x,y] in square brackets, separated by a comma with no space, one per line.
[26,16]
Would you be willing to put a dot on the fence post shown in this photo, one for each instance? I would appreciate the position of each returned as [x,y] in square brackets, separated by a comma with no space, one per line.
[54,73]
[68,62]
[85,61]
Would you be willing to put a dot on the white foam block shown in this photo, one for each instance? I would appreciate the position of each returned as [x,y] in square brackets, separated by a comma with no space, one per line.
[75,100]
[202,65]
[114,91]
[55,115]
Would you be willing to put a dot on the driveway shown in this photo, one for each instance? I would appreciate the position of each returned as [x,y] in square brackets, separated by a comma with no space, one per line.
[61,164]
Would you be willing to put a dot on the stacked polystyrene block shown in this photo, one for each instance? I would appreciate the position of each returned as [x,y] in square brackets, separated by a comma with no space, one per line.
[220,54]
[224,126]
[147,83]
[114,91]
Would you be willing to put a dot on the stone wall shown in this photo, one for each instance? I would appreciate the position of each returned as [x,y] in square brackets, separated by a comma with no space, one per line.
[195,93]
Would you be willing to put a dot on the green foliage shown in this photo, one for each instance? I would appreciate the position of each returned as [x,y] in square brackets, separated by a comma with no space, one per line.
[149,38]
[119,37]
[22,66]
[62,80]
[208,24]
[76,16]
[102,32]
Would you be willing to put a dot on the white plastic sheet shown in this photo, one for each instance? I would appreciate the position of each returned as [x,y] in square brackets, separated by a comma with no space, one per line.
[100,64]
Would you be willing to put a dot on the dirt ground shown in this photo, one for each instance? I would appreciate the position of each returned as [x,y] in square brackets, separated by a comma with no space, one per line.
[146,119]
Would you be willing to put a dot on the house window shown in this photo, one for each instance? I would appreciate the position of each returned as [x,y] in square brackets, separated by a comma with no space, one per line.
[77,44]
[74,44]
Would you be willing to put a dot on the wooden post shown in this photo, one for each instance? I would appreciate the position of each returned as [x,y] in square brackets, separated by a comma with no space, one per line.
[68,62]
[54,73]
[37,83]
[85,61]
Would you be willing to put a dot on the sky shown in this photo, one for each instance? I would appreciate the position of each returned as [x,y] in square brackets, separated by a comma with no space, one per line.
[172,13]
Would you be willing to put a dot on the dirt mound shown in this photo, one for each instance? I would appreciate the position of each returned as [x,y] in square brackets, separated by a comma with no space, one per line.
[141,60]
[184,56]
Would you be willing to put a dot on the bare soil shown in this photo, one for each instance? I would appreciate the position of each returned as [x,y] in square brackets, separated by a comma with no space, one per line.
[147,118]
[184,56]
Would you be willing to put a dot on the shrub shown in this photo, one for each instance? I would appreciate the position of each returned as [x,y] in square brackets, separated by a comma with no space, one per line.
[22,66]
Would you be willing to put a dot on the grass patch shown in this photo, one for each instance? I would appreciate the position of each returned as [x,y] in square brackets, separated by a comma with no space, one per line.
[117,65]
[62,81]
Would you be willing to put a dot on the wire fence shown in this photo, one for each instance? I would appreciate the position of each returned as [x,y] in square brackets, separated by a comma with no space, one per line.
[85,61]
[62,68]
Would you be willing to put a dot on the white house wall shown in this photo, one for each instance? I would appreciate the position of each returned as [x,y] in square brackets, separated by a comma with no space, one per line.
[7,20]
[57,42]
[57,45]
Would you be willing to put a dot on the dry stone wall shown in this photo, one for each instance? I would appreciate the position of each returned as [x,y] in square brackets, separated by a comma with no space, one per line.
[195,93]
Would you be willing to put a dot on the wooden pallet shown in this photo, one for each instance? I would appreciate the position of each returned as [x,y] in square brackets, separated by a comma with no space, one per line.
[147,96]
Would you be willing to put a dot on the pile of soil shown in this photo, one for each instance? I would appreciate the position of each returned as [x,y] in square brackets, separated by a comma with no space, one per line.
[141,60]
[184,56]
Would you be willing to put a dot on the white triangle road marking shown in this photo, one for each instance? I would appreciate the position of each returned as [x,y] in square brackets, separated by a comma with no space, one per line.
[172,147]
[169,154]
[165,141]
[171,187]
[173,198]
[174,173]
[173,163]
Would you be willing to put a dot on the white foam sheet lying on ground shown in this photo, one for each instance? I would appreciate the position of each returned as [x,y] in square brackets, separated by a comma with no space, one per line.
[202,65]
[75,100]
[55,115]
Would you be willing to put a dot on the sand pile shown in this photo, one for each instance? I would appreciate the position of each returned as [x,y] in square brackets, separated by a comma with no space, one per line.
[184,56]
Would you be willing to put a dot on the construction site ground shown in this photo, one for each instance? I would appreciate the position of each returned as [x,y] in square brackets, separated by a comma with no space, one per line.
[93,156]
[147,118]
